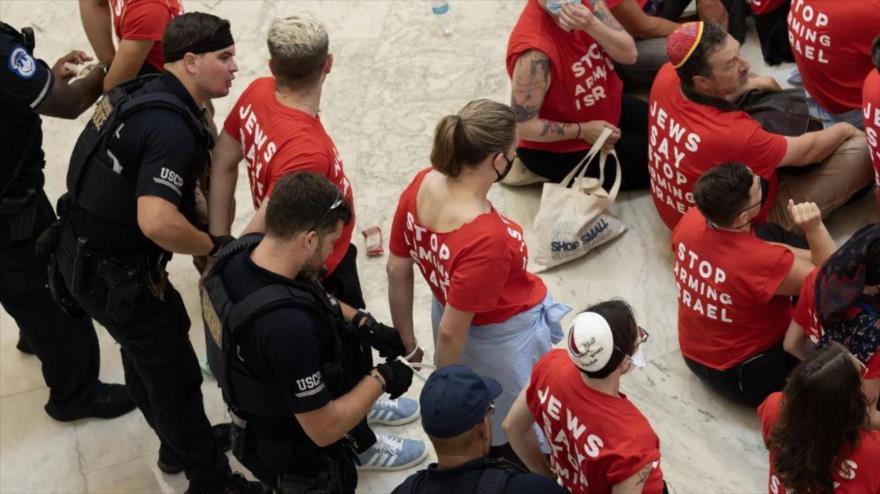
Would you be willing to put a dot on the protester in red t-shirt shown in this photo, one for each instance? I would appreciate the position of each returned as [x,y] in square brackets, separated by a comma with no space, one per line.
[817,431]
[734,288]
[565,90]
[599,441]
[274,126]
[871,110]
[139,26]
[693,126]
[489,313]
[841,295]
[831,41]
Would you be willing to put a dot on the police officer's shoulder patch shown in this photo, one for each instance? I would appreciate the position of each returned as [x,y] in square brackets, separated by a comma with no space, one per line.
[21,63]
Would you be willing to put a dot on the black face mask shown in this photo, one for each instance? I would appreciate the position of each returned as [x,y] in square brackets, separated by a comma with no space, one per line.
[507,169]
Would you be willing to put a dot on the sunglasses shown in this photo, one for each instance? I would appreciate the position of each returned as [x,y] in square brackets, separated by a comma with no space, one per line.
[490,410]
[336,204]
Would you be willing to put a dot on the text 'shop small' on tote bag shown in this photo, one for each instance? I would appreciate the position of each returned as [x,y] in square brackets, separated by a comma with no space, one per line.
[573,217]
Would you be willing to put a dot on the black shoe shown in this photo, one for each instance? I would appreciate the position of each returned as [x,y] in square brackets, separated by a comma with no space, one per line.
[169,462]
[235,483]
[24,346]
[110,401]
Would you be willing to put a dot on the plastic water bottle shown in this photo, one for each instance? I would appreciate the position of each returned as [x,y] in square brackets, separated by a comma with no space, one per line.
[442,16]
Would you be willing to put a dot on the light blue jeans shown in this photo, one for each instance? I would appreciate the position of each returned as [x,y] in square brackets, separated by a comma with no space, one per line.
[828,119]
[506,351]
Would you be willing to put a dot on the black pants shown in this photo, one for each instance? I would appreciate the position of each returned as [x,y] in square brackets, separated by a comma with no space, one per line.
[344,282]
[737,11]
[255,460]
[632,149]
[773,33]
[751,381]
[161,371]
[67,348]
[775,233]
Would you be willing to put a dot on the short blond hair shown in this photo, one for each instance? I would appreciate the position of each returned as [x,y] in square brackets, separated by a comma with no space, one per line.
[298,46]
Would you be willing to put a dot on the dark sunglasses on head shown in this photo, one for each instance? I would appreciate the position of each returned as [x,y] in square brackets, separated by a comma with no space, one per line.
[336,204]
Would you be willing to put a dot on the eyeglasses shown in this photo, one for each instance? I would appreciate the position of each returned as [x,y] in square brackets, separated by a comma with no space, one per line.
[336,204]
[490,410]
[643,336]
[863,369]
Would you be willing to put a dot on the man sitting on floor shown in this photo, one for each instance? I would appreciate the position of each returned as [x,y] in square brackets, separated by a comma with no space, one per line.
[734,288]
[694,125]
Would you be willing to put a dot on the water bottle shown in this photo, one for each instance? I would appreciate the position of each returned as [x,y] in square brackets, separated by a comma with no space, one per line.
[442,16]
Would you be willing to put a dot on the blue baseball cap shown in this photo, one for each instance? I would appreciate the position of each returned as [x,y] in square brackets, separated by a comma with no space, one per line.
[455,399]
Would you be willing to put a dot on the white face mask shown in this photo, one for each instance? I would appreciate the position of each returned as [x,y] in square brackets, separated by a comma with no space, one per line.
[638,358]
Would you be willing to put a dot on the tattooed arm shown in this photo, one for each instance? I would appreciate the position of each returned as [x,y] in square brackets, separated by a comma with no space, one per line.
[636,483]
[603,27]
[530,81]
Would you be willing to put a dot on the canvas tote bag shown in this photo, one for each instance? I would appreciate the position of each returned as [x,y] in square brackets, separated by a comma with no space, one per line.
[573,217]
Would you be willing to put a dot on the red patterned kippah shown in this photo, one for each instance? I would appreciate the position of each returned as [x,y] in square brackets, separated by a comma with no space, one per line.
[682,42]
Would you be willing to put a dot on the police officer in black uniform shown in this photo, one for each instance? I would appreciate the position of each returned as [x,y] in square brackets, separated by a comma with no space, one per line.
[130,189]
[66,346]
[288,351]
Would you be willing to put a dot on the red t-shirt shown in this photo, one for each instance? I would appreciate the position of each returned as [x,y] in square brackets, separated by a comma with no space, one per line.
[145,20]
[859,473]
[277,140]
[583,83]
[726,283]
[479,268]
[871,112]
[596,440]
[686,139]
[805,315]
[831,42]
[761,7]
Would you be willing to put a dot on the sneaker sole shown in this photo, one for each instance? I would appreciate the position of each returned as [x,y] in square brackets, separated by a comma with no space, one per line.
[377,468]
[402,421]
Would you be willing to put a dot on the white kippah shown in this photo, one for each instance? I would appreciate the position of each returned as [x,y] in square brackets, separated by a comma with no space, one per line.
[590,342]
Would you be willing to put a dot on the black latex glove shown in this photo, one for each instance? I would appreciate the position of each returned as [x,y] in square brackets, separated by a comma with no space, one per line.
[398,377]
[385,339]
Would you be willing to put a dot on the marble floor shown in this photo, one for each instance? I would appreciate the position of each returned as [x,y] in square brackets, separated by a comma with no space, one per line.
[393,78]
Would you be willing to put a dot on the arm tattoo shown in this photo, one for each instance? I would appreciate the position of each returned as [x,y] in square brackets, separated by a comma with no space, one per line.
[643,475]
[530,82]
[600,10]
[553,127]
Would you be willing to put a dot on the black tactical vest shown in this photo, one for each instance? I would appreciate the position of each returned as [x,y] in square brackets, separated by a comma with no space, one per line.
[94,179]
[227,320]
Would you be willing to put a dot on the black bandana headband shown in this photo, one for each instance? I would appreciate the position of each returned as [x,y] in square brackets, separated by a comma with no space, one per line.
[221,39]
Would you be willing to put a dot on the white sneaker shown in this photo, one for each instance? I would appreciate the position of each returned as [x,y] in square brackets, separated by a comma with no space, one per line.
[393,412]
[392,453]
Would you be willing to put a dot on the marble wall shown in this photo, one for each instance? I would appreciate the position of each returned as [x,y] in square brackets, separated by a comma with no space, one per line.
[394,76]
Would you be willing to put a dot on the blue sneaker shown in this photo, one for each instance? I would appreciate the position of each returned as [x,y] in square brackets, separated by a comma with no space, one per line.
[393,412]
[393,453]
